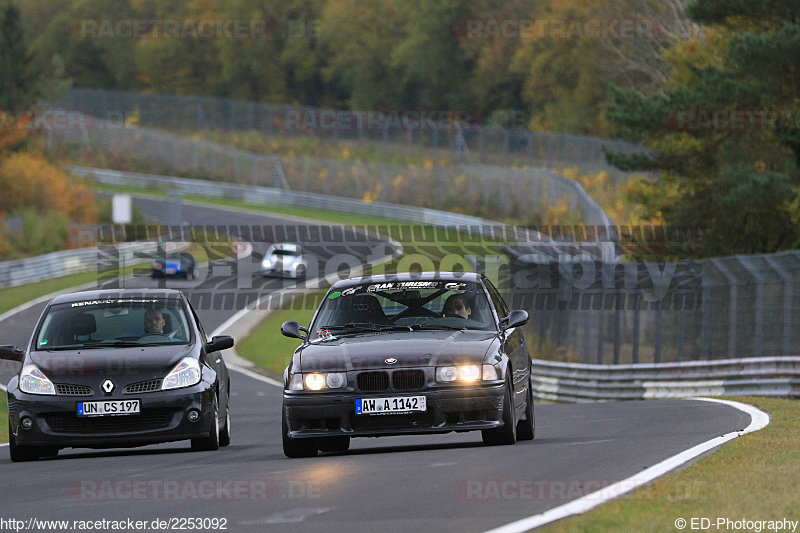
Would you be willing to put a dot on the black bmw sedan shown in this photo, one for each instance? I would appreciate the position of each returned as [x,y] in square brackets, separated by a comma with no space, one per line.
[400,355]
[117,369]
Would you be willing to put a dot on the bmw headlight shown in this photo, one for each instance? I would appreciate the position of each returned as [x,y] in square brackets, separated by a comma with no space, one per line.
[33,381]
[266,263]
[465,373]
[318,381]
[185,374]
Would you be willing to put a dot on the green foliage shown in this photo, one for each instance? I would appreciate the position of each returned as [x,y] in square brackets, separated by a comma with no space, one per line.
[388,54]
[18,82]
[41,233]
[739,185]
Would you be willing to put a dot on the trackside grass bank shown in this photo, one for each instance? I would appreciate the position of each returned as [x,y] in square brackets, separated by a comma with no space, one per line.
[755,477]
[14,296]
[268,334]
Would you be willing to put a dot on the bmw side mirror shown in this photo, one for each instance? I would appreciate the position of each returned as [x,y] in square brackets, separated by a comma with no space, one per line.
[292,329]
[11,353]
[516,319]
[220,342]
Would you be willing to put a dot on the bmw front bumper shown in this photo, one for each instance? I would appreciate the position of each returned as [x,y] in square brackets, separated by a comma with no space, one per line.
[331,414]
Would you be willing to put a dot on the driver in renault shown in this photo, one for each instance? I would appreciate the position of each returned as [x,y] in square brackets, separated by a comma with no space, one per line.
[153,322]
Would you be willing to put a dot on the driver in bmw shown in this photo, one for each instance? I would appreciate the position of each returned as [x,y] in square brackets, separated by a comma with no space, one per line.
[153,322]
[456,306]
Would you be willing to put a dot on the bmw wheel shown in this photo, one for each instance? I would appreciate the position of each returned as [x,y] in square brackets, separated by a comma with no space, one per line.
[295,448]
[508,433]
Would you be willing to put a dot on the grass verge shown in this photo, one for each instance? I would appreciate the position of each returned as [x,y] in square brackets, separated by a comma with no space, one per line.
[14,296]
[754,477]
[268,333]
[311,214]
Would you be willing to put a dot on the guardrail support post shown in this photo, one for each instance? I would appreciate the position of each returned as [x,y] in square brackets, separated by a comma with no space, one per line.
[659,321]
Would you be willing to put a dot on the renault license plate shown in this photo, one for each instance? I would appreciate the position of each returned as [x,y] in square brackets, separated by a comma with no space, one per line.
[109,408]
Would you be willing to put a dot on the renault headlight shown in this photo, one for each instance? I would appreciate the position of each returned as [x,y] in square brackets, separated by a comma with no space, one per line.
[33,381]
[185,374]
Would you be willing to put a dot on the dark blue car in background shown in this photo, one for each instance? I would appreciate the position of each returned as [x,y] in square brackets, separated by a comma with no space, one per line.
[175,264]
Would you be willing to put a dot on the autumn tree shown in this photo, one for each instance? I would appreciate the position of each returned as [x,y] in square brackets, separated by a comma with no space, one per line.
[18,83]
[737,181]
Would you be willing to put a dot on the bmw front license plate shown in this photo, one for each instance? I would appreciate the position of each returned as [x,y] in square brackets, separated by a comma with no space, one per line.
[110,408]
[397,405]
[172,271]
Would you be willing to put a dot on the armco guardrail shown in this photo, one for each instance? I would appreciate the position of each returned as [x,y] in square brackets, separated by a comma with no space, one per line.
[255,194]
[57,264]
[755,376]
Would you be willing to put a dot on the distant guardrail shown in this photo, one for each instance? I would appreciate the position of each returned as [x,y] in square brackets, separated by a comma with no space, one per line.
[58,264]
[755,376]
[271,196]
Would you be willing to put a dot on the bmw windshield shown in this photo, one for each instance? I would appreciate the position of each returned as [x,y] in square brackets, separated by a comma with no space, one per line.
[410,306]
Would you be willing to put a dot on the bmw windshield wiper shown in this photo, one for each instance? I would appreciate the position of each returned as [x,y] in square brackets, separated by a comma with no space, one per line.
[439,326]
[368,326]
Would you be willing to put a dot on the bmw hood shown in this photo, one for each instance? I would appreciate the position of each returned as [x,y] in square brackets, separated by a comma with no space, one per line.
[396,350]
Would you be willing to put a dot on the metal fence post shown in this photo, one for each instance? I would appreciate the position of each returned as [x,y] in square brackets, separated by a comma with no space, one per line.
[705,326]
[682,326]
[732,310]
[617,339]
[636,319]
[787,304]
[659,317]
[759,324]
[601,334]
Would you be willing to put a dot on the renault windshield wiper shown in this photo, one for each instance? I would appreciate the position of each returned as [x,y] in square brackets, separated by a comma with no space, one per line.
[114,344]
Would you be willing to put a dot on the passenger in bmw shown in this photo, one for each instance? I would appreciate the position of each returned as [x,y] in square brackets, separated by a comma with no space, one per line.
[456,306]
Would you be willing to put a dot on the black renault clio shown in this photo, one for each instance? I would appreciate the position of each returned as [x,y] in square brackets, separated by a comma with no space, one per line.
[403,354]
[117,369]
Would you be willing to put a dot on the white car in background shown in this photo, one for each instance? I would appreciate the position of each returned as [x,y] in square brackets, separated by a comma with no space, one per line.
[284,259]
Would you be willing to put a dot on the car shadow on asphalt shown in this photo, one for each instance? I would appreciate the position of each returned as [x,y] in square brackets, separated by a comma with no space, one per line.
[406,448]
